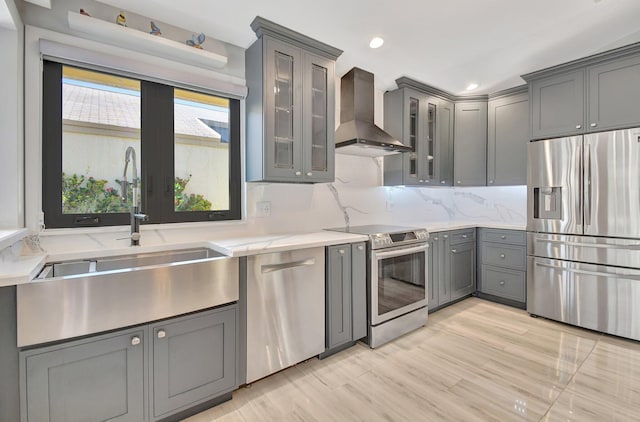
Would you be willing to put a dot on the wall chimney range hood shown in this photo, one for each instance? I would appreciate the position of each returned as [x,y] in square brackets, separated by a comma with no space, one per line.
[357,134]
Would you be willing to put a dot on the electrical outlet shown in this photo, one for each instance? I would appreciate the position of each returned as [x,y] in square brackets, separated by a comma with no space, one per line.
[263,209]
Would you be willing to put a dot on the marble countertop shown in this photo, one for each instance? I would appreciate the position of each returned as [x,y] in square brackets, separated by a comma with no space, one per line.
[23,269]
[9,237]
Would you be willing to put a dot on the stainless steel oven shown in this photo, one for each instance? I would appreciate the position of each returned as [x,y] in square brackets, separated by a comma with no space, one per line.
[397,282]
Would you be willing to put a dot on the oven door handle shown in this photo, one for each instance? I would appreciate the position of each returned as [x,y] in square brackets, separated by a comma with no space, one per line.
[400,252]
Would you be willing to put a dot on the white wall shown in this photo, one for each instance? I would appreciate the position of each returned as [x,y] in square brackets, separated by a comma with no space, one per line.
[11,115]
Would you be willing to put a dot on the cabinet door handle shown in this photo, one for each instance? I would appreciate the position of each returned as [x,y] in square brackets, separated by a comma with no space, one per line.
[503,237]
[421,181]
[464,236]
[298,173]
[435,238]
[502,255]
[360,248]
[162,334]
[594,124]
[578,126]
[458,182]
[443,181]
[309,174]
[446,236]
[502,282]
[135,340]
[454,250]
[491,182]
[341,251]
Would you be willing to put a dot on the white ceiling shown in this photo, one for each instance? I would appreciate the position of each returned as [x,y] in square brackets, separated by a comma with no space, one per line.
[444,43]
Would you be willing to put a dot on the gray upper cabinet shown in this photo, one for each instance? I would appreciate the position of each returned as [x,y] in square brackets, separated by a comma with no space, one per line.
[614,90]
[444,147]
[508,135]
[557,105]
[290,106]
[415,119]
[194,360]
[101,378]
[591,94]
[470,144]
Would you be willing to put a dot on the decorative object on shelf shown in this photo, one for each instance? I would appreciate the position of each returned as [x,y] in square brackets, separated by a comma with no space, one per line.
[155,30]
[196,41]
[143,42]
[121,19]
[84,12]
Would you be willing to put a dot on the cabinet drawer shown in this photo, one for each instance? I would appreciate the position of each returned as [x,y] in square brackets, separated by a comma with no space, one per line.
[461,236]
[504,255]
[508,284]
[516,237]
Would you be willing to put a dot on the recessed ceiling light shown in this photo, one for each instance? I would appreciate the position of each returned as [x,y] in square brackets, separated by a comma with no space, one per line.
[472,86]
[376,42]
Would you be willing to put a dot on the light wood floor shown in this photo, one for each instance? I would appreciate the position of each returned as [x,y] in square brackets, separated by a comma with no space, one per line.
[475,360]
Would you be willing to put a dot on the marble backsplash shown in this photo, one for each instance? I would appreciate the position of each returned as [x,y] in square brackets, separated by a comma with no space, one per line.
[356,197]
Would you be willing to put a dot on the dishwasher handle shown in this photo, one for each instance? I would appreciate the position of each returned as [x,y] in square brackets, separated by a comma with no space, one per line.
[269,268]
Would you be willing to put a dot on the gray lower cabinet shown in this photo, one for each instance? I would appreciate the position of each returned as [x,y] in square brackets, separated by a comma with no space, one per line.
[463,269]
[290,106]
[508,135]
[470,144]
[346,298]
[614,89]
[502,265]
[189,360]
[193,360]
[96,379]
[451,266]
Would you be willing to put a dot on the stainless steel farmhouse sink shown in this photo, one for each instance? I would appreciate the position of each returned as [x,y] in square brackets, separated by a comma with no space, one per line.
[124,262]
[76,298]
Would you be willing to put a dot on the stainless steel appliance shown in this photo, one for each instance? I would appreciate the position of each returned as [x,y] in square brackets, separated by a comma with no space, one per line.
[357,133]
[397,282]
[584,231]
[285,310]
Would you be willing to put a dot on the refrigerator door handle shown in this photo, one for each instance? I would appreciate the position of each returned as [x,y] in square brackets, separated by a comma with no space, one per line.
[587,272]
[587,187]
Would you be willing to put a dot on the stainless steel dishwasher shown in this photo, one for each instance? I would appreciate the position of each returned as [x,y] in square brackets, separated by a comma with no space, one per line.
[285,310]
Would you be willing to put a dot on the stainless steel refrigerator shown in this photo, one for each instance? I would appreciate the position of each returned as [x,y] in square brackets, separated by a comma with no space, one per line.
[583,223]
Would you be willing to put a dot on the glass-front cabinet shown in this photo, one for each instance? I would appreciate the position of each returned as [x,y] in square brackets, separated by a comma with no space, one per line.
[413,117]
[290,107]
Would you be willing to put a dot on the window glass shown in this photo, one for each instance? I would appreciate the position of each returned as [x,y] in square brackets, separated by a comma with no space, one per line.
[101,118]
[202,153]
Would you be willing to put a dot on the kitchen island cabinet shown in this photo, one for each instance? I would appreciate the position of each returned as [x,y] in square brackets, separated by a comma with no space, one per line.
[190,360]
[290,106]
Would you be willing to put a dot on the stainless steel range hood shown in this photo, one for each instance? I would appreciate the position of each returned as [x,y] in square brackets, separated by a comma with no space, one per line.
[357,134]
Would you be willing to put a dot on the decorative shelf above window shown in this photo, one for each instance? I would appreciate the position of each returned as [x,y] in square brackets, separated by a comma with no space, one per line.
[142,42]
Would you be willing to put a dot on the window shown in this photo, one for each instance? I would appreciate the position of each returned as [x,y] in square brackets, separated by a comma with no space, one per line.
[187,145]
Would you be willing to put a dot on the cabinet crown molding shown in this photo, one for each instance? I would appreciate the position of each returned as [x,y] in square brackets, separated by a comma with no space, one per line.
[616,53]
[406,82]
[262,26]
